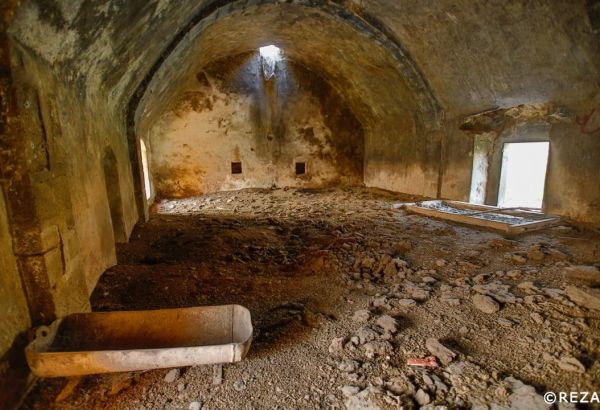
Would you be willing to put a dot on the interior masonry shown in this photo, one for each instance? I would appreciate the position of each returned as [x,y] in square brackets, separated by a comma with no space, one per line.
[151,152]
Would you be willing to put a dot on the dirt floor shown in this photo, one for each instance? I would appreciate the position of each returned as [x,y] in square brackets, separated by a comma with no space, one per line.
[343,290]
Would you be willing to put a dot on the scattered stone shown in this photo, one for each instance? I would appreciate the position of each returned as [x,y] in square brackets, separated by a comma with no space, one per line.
[537,318]
[571,364]
[428,279]
[586,297]
[180,386]
[387,323]
[337,345]
[528,286]
[422,397]
[590,275]
[239,385]
[401,385]
[380,301]
[361,316]
[407,302]
[439,350]
[481,278]
[518,259]
[401,247]
[417,293]
[377,348]
[451,301]
[485,303]
[366,334]
[348,366]
[350,390]
[195,405]
[536,253]
[172,375]
[217,374]
[440,263]
[505,322]
[368,263]
[524,397]
[361,401]
[496,290]
[513,274]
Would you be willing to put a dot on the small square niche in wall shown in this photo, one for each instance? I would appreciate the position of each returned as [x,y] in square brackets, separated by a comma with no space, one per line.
[236,167]
[300,168]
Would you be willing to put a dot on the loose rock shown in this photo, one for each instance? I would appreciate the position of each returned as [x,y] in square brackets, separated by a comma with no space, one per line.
[172,375]
[486,304]
[586,297]
[439,350]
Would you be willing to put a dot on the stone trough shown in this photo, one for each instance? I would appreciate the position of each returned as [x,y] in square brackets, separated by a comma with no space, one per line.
[105,342]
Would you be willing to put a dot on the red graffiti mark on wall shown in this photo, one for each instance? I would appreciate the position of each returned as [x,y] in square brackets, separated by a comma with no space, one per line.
[584,120]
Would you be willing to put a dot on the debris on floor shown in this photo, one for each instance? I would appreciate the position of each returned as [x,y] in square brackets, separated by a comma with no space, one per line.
[403,310]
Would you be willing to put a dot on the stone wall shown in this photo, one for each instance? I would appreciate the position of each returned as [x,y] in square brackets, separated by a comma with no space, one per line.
[13,305]
[87,79]
[230,113]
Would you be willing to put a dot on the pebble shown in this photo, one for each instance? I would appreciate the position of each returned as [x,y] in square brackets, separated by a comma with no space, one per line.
[518,259]
[407,302]
[422,397]
[366,334]
[337,345]
[451,301]
[387,323]
[590,275]
[350,390]
[361,316]
[537,318]
[439,350]
[195,405]
[571,364]
[486,304]
[172,375]
[379,302]
[481,278]
[239,385]
[348,366]
[586,297]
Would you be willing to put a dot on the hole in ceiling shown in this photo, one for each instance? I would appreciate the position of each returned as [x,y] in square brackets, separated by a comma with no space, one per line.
[269,56]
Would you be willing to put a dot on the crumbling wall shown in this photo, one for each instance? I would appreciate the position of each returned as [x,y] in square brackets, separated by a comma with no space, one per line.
[409,72]
[13,305]
[230,113]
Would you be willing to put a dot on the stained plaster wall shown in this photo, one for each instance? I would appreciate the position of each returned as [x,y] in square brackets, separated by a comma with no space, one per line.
[230,112]
[474,55]
[13,305]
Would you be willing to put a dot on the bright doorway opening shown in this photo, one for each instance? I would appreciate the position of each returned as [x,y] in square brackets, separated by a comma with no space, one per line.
[523,174]
[146,171]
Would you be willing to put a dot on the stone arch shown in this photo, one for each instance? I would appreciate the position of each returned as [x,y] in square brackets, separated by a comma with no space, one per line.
[421,105]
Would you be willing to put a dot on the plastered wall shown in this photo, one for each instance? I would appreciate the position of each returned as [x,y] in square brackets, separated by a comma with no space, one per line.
[229,112]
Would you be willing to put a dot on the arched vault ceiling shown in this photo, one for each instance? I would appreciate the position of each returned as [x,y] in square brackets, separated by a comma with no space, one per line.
[473,54]
[366,70]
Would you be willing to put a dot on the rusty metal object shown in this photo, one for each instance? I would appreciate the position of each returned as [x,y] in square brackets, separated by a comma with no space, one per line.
[429,361]
[104,342]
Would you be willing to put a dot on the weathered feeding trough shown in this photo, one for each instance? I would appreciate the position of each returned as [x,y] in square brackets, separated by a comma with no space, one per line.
[511,221]
[104,342]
